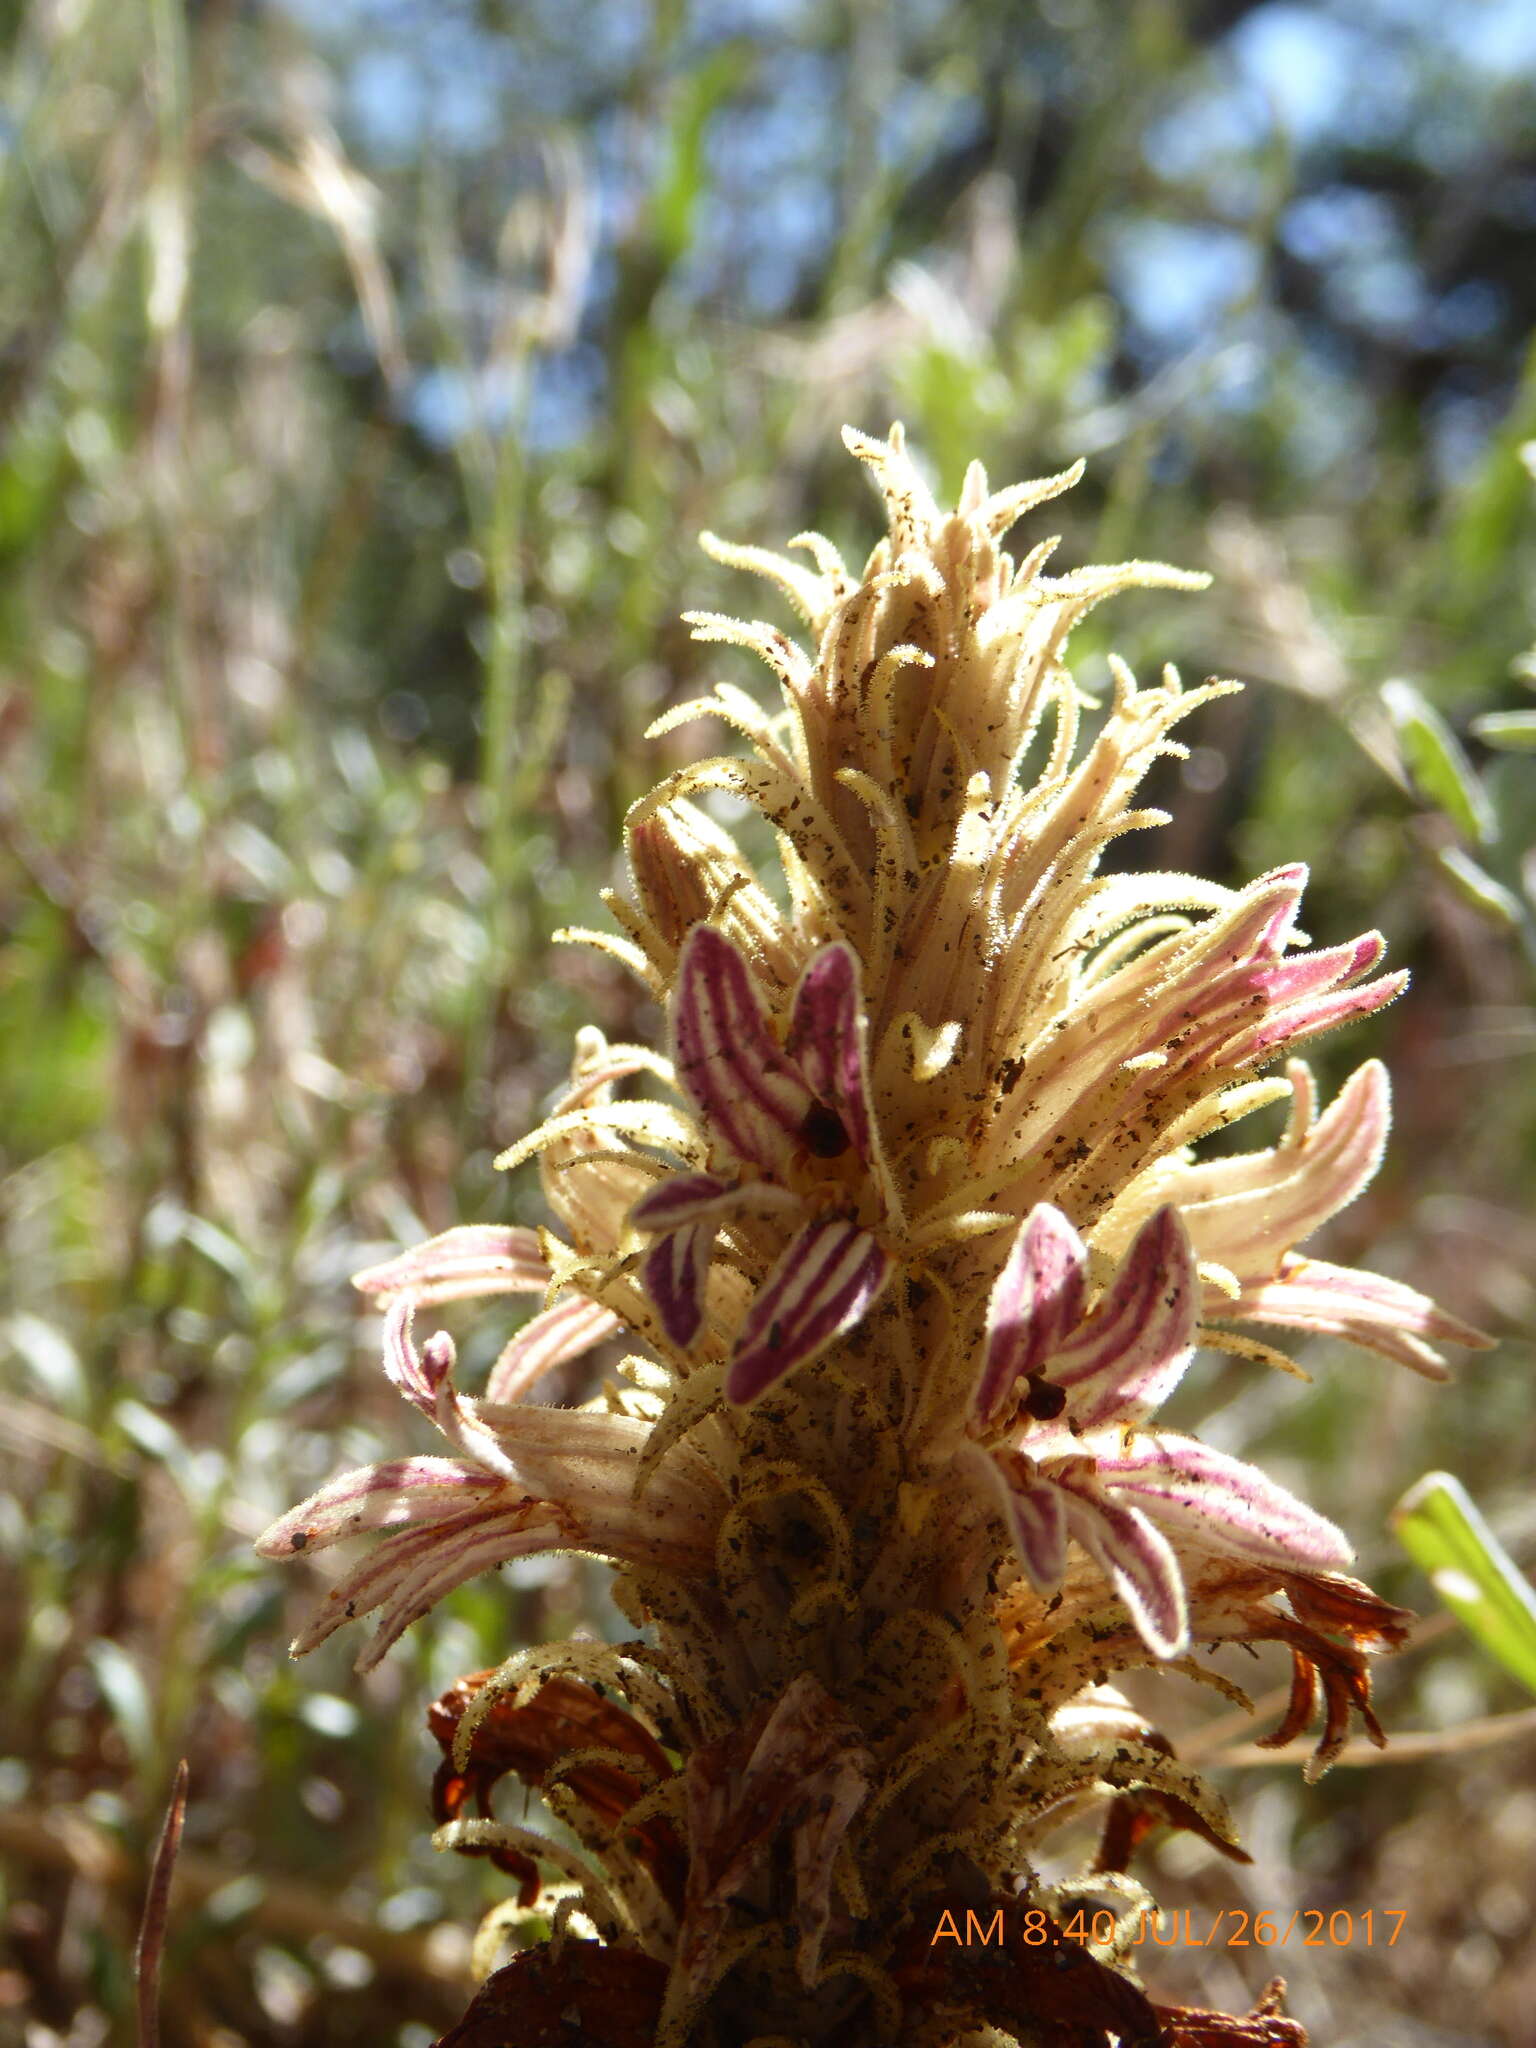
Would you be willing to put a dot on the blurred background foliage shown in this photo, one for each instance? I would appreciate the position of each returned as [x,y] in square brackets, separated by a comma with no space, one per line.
[366,371]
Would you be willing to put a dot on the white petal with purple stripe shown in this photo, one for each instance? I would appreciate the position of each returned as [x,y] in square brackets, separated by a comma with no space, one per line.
[383,1496]
[747,1091]
[460,1264]
[1033,1512]
[823,1284]
[1035,1303]
[673,1273]
[552,1337]
[826,1039]
[1135,1557]
[1219,1501]
[683,1198]
[1126,1361]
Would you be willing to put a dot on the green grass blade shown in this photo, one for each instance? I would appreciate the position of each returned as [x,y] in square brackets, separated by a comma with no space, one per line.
[1438,1524]
[1476,886]
[1513,731]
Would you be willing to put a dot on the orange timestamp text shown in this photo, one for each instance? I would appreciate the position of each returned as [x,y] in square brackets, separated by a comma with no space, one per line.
[1227,1927]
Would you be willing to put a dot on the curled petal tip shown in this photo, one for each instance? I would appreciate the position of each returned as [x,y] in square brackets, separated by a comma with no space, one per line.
[437,1359]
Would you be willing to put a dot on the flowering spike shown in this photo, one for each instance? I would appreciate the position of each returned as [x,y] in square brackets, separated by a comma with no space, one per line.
[911,1240]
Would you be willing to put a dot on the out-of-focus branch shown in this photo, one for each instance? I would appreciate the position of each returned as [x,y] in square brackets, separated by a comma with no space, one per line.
[1410,1748]
[68,1840]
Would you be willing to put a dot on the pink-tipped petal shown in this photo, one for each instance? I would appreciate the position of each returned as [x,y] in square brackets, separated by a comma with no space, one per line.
[1128,1358]
[826,1040]
[1246,1212]
[359,1591]
[1284,887]
[824,1283]
[408,1574]
[445,1552]
[1276,902]
[384,1496]
[1219,1501]
[553,1337]
[1035,1303]
[1314,1014]
[1134,1556]
[475,1259]
[749,1094]
[1258,926]
[452,1559]
[1309,974]
[673,1273]
[1367,1309]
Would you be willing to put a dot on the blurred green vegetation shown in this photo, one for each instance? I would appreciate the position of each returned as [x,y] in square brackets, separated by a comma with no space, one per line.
[366,372]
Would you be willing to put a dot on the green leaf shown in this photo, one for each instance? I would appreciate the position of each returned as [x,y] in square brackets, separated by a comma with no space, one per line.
[196,1471]
[51,1360]
[221,1250]
[122,1686]
[1477,887]
[1441,772]
[685,175]
[1488,510]
[1439,1526]
[1512,730]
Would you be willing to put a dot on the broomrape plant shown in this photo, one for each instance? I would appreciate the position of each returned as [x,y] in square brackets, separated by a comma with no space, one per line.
[916,1239]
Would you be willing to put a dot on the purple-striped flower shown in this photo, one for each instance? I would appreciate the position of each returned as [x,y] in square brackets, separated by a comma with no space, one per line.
[788,1127]
[524,1480]
[1091,1470]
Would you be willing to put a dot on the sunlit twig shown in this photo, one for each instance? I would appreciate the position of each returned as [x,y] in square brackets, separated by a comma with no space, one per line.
[150,1946]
